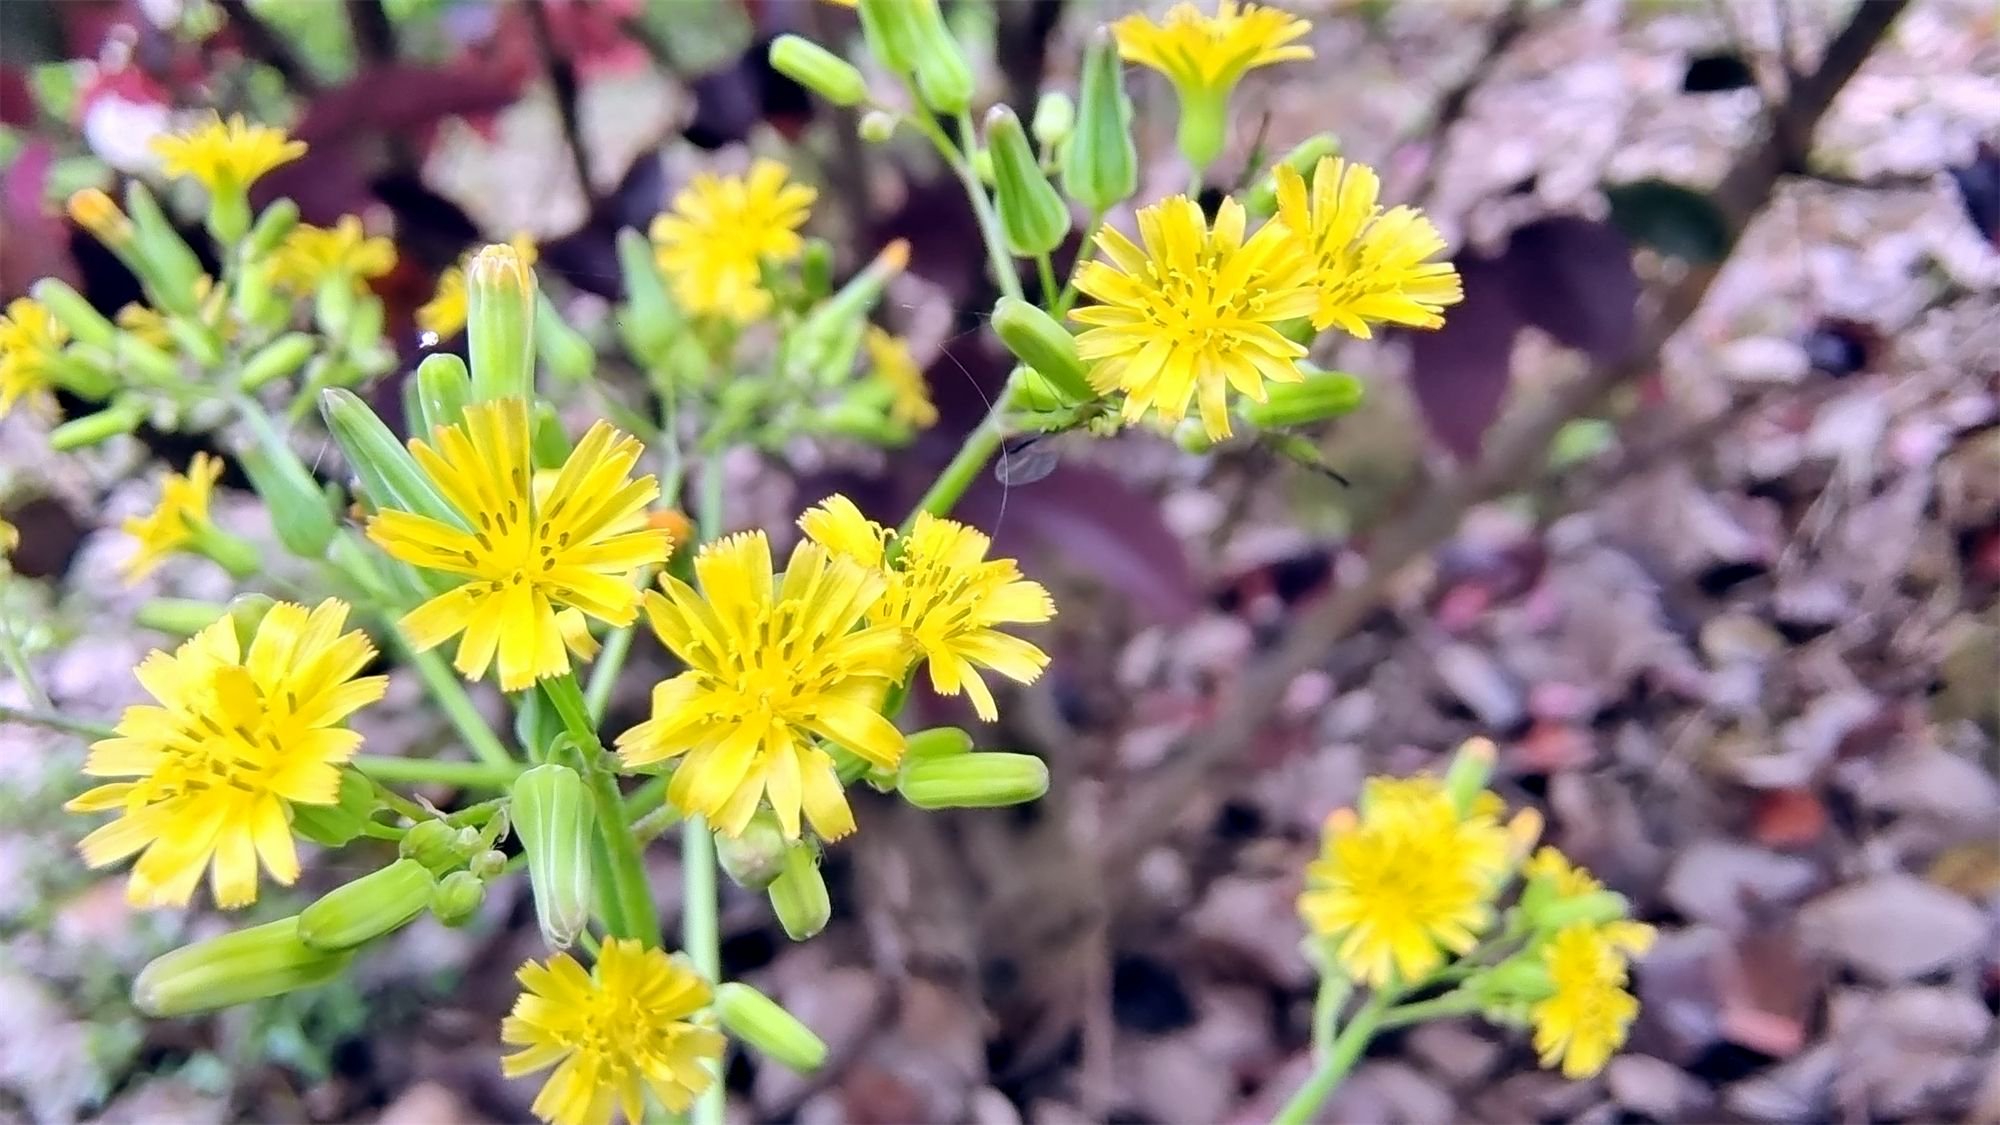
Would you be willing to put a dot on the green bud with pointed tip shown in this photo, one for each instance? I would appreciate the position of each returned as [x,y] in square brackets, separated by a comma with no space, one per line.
[432,843]
[358,912]
[818,70]
[762,1024]
[1033,217]
[1100,166]
[1261,201]
[170,264]
[500,323]
[279,359]
[974,781]
[1044,345]
[444,387]
[798,895]
[121,417]
[818,344]
[755,857]
[648,322]
[1321,395]
[891,28]
[236,968]
[944,78]
[277,221]
[563,349]
[457,898]
[1471,768]
[73,312]
[551,812]
[1054,120]
[385,468]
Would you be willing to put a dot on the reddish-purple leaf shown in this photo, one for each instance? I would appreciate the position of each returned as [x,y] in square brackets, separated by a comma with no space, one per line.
[1572,278]
[1459,372]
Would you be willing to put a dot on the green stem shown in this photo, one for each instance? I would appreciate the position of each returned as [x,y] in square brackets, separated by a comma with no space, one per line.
[1333,993]
[982,207]
[1046,270]
[1338,1060]
[457,706]
[624,871]
[467,775]
[1068,296]
[604,674]
[650,795]
[701,928]
[1437,1008]
[55,720]
[17,661]
[965,466]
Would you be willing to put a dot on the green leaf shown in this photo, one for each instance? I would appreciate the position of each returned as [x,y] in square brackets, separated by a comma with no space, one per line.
[1671,219]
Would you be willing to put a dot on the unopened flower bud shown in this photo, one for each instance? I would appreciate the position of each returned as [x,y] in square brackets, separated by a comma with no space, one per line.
[877,126]
[1321,395]
[444,387]
[834,322]
[121,417]
[755,857]
[488,864]
[166,260]
[97,213]
[1261,201]
[73,312]
[798,895]
[385,468]
[944,79]
[236,968]
[1592,909]
[179,617]
[500,320]
[378,903]
[1471,767]
[818,70]
[974,781]
[457,897]
[647,320]
[562,349]
[1033,391]
[276,360]
[195,339]
[1033,218]
[892,32]
[1522,979]
[1038,341]
[816,269]
[1100,165]
[937,742]
[335,825]
[763,1025]
[277,221]
[1054,120]
[552,814]
[547,440]
[300,511]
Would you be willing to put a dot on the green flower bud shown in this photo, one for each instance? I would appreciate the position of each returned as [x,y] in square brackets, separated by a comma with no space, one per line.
[1322,395]
[1054,120]
[500,324]
[944,79]
[833,324]
[378,903]
[335,825]
[1033,218]
[121,417]
[1261,201]
[754,858]
[146,363]
[1033,391]
[299,511]
[333,310]
[974,781]
[552,814]
[1100,165]
[488,864]
[84,370]
[1522,979]
[816,269]
[364,323]
[385,468]
[236,968]
[73,312]
[937,742]
[892,30]
[169,264]
[246,614]
[1044,345]
[857,421]
[547,441]
[178,617]
[271,227]
[195,339]
[762,1024]
[798,895]
[444,387]
[648,322]
[432,843]
[877,126]
[1471,768]
[818,70]
[982,164]
[1593,909]
[256,300]
[457,898]
[276,360]
[562,349]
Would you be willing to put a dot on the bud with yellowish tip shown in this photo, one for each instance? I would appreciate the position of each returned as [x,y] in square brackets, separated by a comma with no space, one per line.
[832,327]
[1044,345]
[1033,218]
[551,812]
[974,781]
[798,895]
[1101,163]
[1524,830]
[500,320]
[378,903]
[755,857]
[236,968]
[1319,396]
[1471,768]
[763,1025]
[818,70]
[1261,201]
[98,213]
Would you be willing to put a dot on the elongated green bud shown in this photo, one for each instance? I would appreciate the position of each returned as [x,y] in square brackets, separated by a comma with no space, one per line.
[136,359]
[552,814]
[195,339]
[1054,120]
[1038,341]
[1471,768]
[277,221]
[1033,218]
[816,269]
[1261,201]
[831,329]
[1034,392]
[1322,395]
[563,349]
[547,441]
[73,312]
[236,968]
[385,468]
[893,32]
[121,417]
[937,742]
[648,319]
[762,1024]
[755,857]
[279,359]
[1592,909]
[174,269]
[798,895]
[83,370]
[974,781]
[335,825]
[877,126]
[299,510]
[500,322]
[458,897]
[364,323]
[246,613]
[178,617]
[1100,165]
[256,299]
[818,70]
[378,903]
[444,387]
[944,79]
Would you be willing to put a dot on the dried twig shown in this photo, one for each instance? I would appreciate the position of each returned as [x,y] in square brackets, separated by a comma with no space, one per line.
[260,41]
[1501,36]
[562,84]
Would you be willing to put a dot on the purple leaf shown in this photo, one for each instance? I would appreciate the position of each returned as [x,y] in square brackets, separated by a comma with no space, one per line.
[1459,373]
[1978,183]
[1573,279]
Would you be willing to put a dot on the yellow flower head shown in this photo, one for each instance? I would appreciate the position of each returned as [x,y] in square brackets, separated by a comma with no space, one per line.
[1585,1020]
[772,664]
[444,314]
[95,212]
[235,740]
[944,595]
[1193,312]
[1411,878]
[524,552]
[722,228]
[180,516]
[910,397]
[612,1033]
[310,256]
[1370,264]
[1210,53]
[30,340]
[227,157]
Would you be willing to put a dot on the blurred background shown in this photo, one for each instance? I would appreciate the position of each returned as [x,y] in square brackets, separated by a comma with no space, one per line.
[1693,506]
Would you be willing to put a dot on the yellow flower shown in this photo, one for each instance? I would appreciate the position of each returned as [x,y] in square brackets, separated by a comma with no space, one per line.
[10,538]
[179,518]
[722,228]
[612,1034]
[1193,313]
[1410,879]
[444,314]
[524,552]
[772,663]
[1551,876]
[311,255]
[944,595]
[1371,264]
[227,157]
[910,398]
[1585,1020]
[235,740]
[1210,53]
[30,340]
